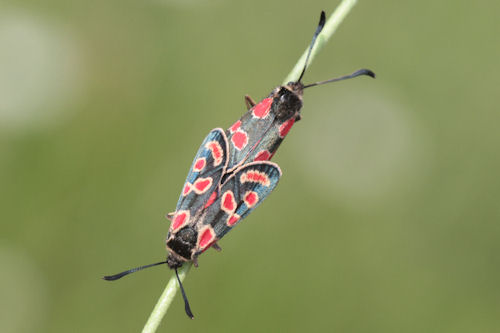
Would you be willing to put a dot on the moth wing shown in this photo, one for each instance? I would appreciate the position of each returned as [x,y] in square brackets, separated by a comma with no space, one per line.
[243,191]
[203,178]
[248,131]
[259,177]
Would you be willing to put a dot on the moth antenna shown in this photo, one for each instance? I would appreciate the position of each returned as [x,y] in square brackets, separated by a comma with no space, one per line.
[186,303]
[345,77]
[127,272]
[321,24]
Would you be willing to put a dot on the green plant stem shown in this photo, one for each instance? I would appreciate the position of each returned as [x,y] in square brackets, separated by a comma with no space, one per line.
[165,300]
[331,25]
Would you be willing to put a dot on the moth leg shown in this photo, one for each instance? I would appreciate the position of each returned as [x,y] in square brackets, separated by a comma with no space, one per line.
[299,117]
[195,261]
[249,102]
[170,216]
[216,247]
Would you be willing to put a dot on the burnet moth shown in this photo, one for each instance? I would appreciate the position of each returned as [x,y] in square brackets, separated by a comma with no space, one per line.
[231,173]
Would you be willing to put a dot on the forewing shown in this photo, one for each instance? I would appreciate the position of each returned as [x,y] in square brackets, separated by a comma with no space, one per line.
[269,143]
[203,178]
[239,195]
[247,132]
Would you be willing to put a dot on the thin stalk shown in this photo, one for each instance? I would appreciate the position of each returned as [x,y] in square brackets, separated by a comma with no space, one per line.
[165,300]
[331,25]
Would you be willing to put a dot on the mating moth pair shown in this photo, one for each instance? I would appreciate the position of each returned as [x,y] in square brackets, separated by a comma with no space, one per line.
[231,173]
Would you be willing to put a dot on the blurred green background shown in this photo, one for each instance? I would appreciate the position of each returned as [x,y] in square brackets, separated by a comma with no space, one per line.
[386,218]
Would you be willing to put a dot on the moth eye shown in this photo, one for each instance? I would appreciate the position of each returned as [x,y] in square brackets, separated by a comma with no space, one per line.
[282,98]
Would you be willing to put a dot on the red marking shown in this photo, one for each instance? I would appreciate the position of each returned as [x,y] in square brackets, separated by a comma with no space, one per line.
[251,198]
[187,189]
[228,204]
[261,110]
[180,219]
[239,139]
[235,126]
[206,238]
[201,185]
[286,126]
[217,152]
[199,164]
[255,177]
[212,198]
[262,155]
[233,219]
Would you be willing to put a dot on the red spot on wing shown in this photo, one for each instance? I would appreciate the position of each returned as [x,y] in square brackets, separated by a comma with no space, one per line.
[251,198]
[186,189]
[211,200]
[239,139]
[217,152]
[199,164]
[262,155]
[254,176]
[261,110]
[201,185]
[180,219]
[235,126]
[228,204]
[286,126]
[206,238]
[231,221]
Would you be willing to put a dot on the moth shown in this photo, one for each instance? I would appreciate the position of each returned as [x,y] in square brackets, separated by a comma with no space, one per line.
[231,173]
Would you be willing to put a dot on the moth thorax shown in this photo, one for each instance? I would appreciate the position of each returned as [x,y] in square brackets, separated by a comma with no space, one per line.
[289,100]
[182,243]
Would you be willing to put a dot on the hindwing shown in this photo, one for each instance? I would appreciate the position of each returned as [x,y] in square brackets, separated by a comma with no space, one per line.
[241,193]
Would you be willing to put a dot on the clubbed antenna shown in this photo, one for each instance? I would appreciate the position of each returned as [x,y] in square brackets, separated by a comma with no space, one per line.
[321,24]
[186,303]
[127,272]
[345,77]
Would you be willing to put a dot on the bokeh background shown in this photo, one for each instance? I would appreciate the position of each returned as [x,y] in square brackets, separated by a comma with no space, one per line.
[386,218]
